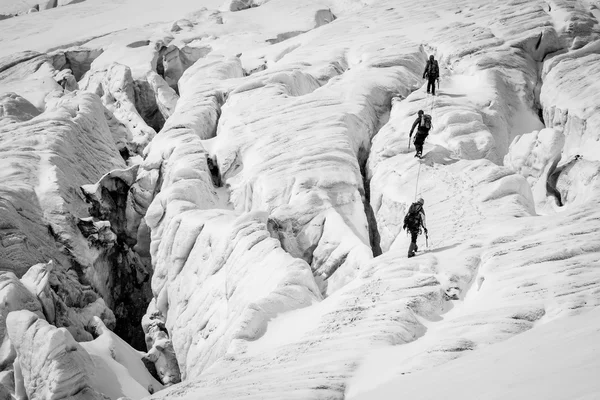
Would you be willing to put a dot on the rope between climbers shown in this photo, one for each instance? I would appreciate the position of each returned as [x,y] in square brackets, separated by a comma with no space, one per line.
[420,163]
[417,184]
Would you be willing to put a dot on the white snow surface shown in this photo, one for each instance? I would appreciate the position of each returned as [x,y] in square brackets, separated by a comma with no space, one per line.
[119,367]
[558,360]
[291,279]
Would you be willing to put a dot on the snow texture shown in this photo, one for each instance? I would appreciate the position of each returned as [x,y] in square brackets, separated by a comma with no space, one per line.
[241,171]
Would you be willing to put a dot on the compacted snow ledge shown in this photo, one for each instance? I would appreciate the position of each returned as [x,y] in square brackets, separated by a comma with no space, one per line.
[554,361]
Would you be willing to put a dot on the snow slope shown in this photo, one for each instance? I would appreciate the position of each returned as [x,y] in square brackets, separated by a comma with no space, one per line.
[558,360]
[282,272]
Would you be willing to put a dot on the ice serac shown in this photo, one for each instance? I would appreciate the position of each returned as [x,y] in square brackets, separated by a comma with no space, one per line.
[166,97]
[46,217]
[51,363]
[308,175]
[123,360]
[29,75]
[13,296]
[241,276]
[569,97]
[115,86]
[203,88]
[174,178]
[576,181]
[161,353]
[174,61]
[535,155]
[65,301]
[69,144]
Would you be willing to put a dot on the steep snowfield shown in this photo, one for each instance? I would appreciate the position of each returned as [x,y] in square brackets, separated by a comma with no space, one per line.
[245,167]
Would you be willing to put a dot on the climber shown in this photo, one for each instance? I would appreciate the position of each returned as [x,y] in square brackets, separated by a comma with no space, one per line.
[413,222]
[213,168]
[432,73]
[423,122]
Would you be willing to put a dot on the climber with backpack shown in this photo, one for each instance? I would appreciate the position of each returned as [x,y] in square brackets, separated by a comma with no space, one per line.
[423,122]
[414,220]
[432,73]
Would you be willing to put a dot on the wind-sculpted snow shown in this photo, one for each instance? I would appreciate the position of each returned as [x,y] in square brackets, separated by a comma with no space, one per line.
[563,349]
[56,152]
[269,171]
[216,264]
[65,301]
[48,291]
[311,353]
[535,156]
[115,86]
[47,158]
[14,296]
[166,98]
[57,368]
[202,95]
[318,212]
[124,364]
[527,276]
[213,248]
[569,97]
[576,180]
[51,364]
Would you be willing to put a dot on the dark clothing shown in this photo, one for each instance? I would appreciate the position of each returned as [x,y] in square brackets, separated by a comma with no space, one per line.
[413,243]
[431,85]
[414,125]
[422,133]
[419,140]
[214,172]
[413,225]
[432,70]
[421,130]
[415,218]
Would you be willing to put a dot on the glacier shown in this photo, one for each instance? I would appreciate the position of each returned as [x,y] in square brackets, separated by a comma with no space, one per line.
[206,199]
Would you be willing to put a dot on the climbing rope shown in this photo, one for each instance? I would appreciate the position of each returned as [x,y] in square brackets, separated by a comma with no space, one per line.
[417,184]
[431,112]
[431,109]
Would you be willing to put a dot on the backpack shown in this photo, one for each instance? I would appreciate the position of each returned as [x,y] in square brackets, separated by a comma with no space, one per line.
[434,69]
[412,220]
[425,123]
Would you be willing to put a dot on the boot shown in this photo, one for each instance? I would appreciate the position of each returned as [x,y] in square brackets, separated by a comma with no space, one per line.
[411,249]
